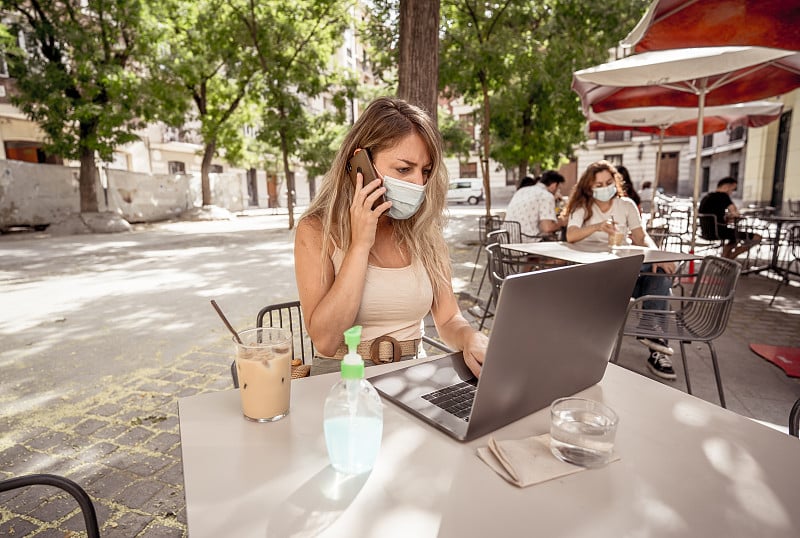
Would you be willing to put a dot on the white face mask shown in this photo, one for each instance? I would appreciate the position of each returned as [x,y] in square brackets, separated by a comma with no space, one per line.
[604,194]
[405,197]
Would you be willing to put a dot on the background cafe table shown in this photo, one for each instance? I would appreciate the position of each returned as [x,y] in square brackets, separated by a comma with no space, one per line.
[591,252]
[687,468]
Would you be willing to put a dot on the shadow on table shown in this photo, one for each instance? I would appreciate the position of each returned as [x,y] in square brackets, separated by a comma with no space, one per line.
[315,505]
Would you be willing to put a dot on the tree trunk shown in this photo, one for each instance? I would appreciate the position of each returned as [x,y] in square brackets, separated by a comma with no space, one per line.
[205,167]
[87,182]
[312,187]
[486,146]
[418,69]
[289,179]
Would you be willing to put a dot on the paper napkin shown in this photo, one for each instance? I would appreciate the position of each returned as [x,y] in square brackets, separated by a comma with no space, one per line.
[525,462]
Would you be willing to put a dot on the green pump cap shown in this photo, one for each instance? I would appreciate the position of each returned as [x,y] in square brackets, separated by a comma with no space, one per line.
[352,363]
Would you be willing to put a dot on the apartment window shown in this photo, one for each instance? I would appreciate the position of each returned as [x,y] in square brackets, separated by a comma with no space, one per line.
[176,167]
[615,136]
[468,170]
[215,169]
[733,170]
[708,141]
[614,158]
[467,122]
[737,133]
[706,177]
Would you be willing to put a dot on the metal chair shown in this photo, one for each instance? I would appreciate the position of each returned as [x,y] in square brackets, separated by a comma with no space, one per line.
[699,317]
[486,224]
[794,419]
[709,232]
[286,316]
[499,269]
[793,257]
[65,484]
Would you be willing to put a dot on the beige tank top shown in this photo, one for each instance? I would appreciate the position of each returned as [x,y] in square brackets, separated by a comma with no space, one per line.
[394,302]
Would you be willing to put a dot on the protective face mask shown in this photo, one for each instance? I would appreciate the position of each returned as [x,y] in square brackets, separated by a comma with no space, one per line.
[604,194]
[405,197]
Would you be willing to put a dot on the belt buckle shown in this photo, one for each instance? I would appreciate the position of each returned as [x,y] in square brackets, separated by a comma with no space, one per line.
[375,349]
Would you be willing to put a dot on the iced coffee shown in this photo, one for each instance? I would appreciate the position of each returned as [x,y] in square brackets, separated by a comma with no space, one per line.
[264,369]
[618,238]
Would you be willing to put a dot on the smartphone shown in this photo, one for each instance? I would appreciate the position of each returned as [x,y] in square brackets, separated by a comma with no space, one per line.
[360,162]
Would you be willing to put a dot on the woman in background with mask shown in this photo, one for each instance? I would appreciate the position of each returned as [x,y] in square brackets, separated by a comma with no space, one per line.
[382,265]
[598,209]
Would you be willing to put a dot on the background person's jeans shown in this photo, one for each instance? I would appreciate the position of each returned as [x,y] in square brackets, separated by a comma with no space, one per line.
[652,285]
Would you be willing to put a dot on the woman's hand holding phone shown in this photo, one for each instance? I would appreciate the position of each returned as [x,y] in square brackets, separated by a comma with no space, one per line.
[363,218]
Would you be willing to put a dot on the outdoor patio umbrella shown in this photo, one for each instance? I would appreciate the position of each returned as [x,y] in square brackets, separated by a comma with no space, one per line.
[670,24]
[689,78]
[677,121]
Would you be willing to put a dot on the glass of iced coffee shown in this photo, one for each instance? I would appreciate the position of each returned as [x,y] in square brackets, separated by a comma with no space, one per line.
[264,368]
[618,238]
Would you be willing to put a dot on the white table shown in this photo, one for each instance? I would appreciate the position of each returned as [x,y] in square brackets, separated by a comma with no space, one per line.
[688,468]
[590,252]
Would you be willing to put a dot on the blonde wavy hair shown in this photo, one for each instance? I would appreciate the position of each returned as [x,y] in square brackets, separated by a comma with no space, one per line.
[582,195]
[382,125]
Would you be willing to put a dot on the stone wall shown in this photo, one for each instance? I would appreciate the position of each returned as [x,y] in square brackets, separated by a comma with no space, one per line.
[41,194]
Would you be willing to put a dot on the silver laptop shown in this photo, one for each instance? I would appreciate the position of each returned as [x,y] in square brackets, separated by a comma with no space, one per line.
[552,336]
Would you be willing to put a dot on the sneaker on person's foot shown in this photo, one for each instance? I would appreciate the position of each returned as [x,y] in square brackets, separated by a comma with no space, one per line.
[660,365]
[656,344]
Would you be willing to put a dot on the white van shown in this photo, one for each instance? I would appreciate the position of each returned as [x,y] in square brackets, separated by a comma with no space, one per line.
[465,189]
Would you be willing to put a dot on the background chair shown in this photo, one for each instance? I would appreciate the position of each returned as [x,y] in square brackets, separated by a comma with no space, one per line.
[286,316]
[709,232]
[77,492]
[699,317]
[486,224]
[792,257]
[499,268]
[794,419]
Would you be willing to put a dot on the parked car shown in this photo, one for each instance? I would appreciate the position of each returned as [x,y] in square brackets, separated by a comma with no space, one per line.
[468,190]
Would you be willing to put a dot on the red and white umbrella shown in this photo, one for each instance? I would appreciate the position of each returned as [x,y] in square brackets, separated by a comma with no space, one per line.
[677,121]
[688,78]
[670,24]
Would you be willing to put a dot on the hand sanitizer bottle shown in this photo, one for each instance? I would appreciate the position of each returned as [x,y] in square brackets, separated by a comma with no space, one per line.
[353,417]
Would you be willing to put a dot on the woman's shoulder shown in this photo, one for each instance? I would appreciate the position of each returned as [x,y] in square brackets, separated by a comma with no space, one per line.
[309,228]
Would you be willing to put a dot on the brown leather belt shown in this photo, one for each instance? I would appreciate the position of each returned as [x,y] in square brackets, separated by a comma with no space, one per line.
[382,349]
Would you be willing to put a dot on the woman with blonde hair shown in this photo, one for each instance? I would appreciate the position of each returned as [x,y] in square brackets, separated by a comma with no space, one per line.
[381,263]
[598,209]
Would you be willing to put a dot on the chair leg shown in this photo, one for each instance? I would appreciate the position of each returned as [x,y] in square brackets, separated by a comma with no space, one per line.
[685,368]
[716,374]
[480,284]
[474,265]
[486,311]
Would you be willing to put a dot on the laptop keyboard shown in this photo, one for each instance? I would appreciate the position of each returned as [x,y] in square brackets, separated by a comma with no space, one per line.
[455,399]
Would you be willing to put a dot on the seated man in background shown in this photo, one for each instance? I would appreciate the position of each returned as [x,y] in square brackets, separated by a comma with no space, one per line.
[534,206]
[718,203]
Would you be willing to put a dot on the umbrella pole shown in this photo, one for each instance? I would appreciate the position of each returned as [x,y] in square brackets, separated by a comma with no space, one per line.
[697,158]
[653,207]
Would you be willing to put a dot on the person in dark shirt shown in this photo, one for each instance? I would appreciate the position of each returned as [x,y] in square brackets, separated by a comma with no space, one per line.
[719,204]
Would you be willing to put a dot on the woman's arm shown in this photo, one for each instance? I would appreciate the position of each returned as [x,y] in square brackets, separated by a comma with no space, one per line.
[579,233]
[457,332]
[330,302]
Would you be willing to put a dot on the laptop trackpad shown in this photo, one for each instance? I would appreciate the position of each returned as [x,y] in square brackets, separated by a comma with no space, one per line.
[407,387]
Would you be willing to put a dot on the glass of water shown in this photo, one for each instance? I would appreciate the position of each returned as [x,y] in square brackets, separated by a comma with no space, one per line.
[582,431]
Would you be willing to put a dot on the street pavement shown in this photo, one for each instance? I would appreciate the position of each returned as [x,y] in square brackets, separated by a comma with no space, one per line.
[102,334]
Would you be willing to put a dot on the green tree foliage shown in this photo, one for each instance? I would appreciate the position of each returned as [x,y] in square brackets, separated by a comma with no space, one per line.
[537,118]
[457,141]
[475,54]
[77,78]
[292,49]
[203,58]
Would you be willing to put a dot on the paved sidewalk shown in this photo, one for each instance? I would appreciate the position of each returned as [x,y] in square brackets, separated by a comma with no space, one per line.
[102,334]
